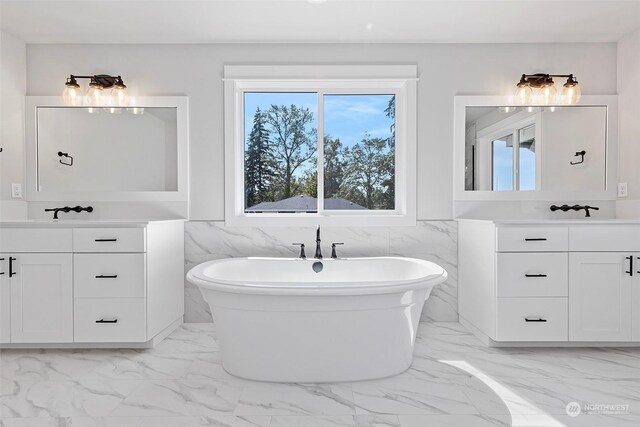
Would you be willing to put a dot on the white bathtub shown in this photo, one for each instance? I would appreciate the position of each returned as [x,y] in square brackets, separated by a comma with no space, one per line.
[278,320]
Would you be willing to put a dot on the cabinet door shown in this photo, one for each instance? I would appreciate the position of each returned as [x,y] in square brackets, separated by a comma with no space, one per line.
[42,298]
[600,290]
[5,300]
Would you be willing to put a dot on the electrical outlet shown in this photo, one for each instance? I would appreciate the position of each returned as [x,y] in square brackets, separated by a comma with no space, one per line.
[622,189]
[16,191]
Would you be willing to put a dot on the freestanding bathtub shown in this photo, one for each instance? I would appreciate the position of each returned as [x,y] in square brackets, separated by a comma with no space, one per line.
[279,320]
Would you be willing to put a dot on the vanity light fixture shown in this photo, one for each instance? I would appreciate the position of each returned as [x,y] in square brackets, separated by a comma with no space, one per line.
[541,89]
[96,95]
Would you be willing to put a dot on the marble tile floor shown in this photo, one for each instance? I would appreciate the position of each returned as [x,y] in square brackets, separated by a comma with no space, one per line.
[454,381]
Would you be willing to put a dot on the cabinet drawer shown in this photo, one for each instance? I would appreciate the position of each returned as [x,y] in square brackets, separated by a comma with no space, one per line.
[532,239]
[35,240]
[109,320]
[109,275]
[610,237]
[532,319]
[109,240]
[533,274]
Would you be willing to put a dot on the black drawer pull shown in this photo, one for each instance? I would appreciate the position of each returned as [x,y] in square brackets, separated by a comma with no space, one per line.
[539,319]
[107,321]
[535,275]
[11,272]
[106,240]
[1,272]
[103,276]
[535,239]
[629,272]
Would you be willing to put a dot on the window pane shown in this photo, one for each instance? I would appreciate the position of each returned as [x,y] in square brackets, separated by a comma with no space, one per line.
[359,152]
[280,149]
[502,154]
[527,154]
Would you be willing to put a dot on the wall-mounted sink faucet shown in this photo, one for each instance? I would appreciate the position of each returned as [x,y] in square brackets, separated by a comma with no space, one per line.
[68,209]
[565,208]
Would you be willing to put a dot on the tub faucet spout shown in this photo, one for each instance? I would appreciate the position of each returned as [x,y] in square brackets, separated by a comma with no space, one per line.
[318,250]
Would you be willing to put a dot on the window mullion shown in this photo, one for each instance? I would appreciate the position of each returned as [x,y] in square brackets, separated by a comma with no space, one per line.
[320,163]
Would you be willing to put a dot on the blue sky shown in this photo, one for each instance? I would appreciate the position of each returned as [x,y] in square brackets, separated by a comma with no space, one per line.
[503,167]
[347,117]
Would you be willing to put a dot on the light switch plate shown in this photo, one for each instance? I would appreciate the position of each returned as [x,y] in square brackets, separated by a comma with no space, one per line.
[16,191]
[622,189]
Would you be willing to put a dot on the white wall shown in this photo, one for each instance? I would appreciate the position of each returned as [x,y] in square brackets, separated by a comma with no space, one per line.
[444,70]
[564,133]
[13,86]
[629,122]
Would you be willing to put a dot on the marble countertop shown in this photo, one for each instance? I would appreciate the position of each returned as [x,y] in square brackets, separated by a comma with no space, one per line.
[65,223]
[555,221]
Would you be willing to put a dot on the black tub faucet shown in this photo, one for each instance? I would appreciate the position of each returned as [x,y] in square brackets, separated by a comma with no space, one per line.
[318,250]
[565,208]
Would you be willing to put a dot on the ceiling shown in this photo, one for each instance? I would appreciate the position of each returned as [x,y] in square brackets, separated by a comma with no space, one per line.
[379,21]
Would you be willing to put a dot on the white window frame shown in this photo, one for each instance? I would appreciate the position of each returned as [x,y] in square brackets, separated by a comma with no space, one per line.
[510,126]
[400,81]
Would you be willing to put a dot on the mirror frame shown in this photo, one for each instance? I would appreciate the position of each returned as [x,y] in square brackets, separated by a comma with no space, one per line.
[611,152]
[181,103]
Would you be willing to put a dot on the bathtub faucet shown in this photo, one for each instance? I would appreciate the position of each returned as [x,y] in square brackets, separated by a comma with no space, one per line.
[318,250]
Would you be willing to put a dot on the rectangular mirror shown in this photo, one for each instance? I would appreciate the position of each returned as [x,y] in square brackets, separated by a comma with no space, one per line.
[90,149]
[532,151]
[119,154]
[535,148]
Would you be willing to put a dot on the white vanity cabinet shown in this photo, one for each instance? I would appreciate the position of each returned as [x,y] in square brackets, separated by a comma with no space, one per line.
[90,284]
[550,281]
[37,285]
[601,303]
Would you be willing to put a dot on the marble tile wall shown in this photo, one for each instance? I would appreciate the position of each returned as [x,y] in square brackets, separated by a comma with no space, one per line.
[431,240]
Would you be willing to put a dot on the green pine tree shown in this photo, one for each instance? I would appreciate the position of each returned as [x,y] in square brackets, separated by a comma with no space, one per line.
[258,163]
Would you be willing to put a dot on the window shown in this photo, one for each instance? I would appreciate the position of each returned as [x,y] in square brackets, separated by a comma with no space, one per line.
[508,160]
[502,160]
[336,149]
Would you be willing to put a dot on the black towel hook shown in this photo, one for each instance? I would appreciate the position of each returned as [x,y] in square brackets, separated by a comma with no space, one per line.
[61,154]
[581,154]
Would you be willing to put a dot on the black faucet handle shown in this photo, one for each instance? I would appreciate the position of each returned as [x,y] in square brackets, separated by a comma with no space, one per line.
[302,254]
[333,249]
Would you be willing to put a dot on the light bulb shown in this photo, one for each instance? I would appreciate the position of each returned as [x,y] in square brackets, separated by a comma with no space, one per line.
[523,94]
[136,110]
[119,97]
[95,95]
[571,93]
[547,94]
[72,94]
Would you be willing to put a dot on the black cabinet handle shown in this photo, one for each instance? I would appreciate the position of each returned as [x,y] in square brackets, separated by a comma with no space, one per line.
[11,272]
[638,270]
[535,275]
[1,272]
[538,320]
[107,321]
[105,276]
[535,239]
[630,272]
[106,240]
